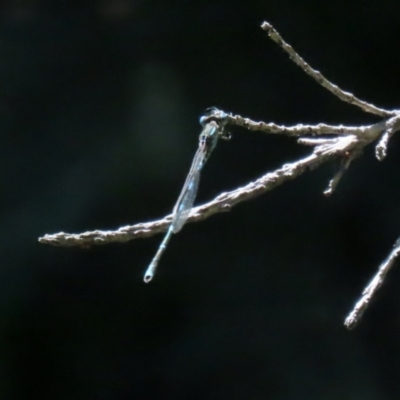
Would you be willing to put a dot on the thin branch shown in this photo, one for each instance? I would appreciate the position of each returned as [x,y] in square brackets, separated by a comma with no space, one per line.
[363,132]
[225,201]
[355,316]
[341,94]
[306,141]
[381,148]
[345,164]
[296,130]
[346,145]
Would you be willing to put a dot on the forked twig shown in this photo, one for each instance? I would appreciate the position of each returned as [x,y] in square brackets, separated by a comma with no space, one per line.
[324,150]
[344,142]
[222,203]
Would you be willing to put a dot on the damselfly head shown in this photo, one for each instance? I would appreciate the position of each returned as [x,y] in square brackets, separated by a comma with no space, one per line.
[213,114]
[203,120]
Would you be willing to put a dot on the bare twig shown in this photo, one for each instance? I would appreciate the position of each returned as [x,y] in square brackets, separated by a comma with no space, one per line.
[381,148]
[345,163]
[341,94]
[347,143]
[225,201]
[296,130]
[307,141]
[355,316]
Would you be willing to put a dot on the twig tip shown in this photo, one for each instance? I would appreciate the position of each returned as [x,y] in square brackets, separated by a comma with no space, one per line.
[266,25]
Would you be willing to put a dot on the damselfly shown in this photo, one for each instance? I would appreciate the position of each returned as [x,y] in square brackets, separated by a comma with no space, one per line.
[213,124]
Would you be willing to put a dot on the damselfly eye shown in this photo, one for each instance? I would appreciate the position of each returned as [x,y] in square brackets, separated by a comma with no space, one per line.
[203,120]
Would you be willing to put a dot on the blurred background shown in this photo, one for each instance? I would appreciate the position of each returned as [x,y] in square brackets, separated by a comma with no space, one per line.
[99,109]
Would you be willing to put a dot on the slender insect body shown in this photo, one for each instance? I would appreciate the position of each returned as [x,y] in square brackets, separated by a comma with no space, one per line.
[213,129]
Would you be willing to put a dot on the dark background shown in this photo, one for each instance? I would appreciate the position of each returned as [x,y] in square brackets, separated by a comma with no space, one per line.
[99,108]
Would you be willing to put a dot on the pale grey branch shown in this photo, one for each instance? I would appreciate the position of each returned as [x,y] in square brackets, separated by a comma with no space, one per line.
[225,201]
[392,127]
[345,163]
[347,143]
[296,130]
[316,141]
[355,316]
[341,94]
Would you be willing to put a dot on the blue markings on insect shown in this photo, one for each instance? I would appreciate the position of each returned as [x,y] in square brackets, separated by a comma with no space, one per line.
[213,123]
